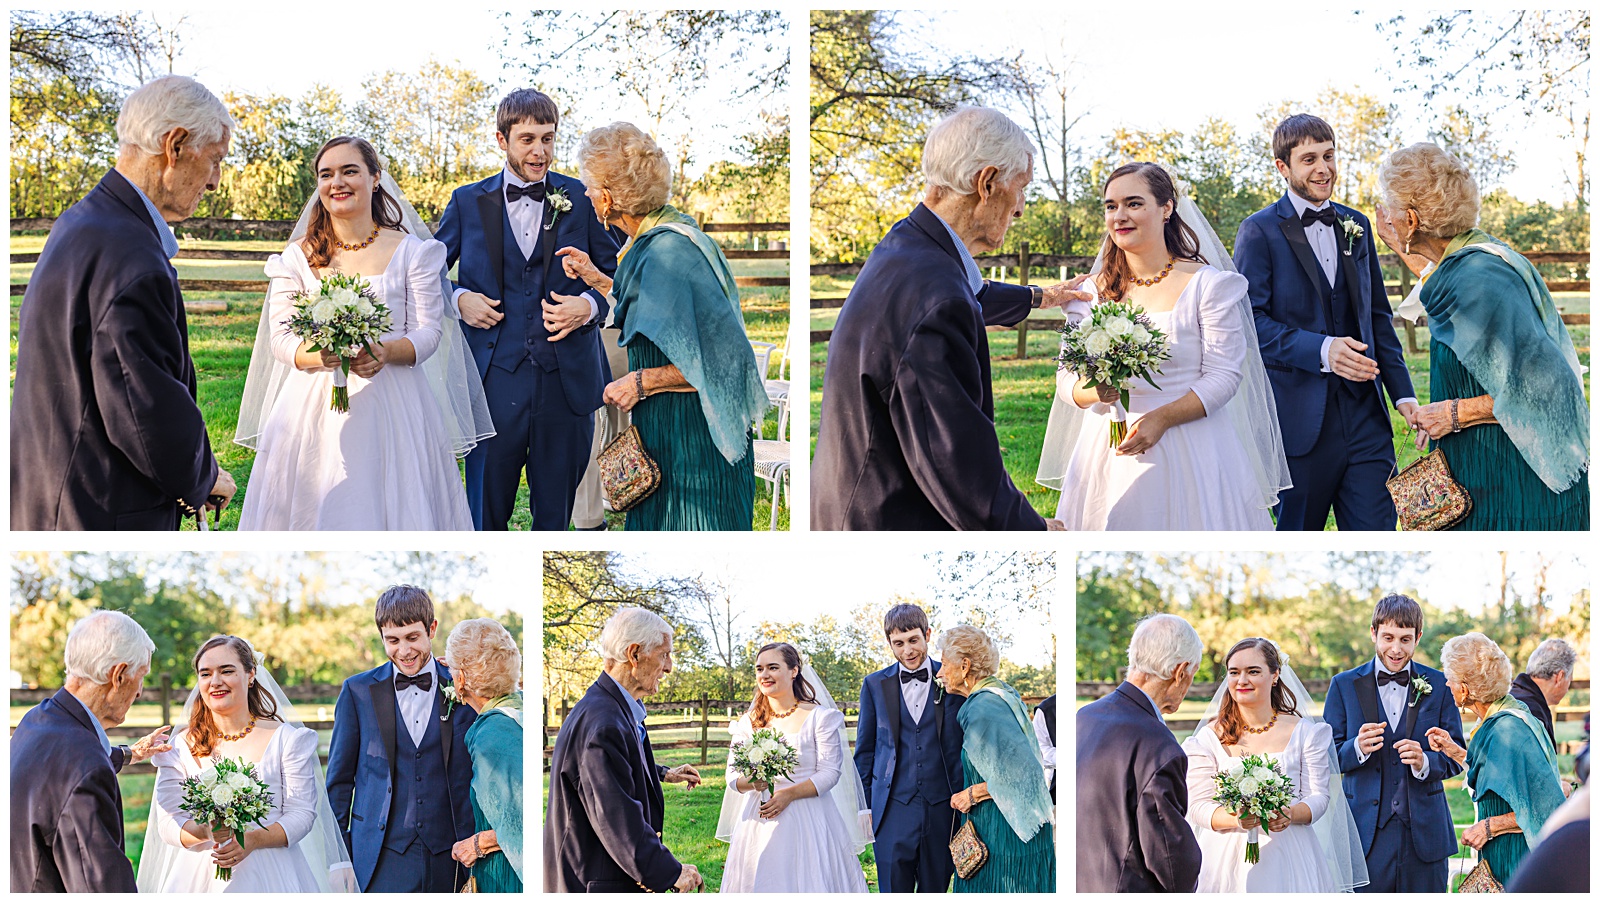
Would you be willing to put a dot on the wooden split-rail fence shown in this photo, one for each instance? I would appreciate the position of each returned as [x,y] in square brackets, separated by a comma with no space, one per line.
[1025,267]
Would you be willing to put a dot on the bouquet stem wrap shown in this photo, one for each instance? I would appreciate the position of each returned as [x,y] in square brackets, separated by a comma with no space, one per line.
[1252,846]
[1119,419]
[341,386]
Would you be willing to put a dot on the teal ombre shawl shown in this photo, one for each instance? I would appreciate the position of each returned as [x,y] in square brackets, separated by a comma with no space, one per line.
[495,742]
[674,287]
[1511,756]
[1489,305]
[998,738]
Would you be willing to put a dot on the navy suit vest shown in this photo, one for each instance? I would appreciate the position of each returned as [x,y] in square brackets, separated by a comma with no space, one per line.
[919,764]
[522,334]
[1394,797]
[421,805]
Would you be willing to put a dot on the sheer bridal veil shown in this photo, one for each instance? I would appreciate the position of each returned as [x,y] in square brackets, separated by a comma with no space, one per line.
[323,846]
[451,373]
[847,794]
[1252,411]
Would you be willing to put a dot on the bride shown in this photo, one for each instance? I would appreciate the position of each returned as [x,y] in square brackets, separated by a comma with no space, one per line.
[1203,451]
[1311,847]
[815,822]
[237,711]
[416,402]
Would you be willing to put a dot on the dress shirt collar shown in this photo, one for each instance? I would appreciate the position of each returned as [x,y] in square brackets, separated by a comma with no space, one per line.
[974,277]
[169,242]
[431,666]
[634,706]
[1152,699]
[1301,205]
[512,178]
[100,732]
[926,666]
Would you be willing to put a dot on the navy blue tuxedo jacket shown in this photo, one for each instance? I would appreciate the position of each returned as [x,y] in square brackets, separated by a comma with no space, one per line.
[1273,253]
[473,232]
[907,439]
[361,763]
[879,727]
[105,430]
[1352,702]
[66,807]
[602,830]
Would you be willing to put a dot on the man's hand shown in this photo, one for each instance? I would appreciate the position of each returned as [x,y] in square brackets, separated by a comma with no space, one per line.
[1345,358]
[1370,738]
[564,313]
[154,742]
[1054,525]
[1410,411]
[683,774]
[1062,292]
[223,489]
[479,310]
[1411,753]
[689,880]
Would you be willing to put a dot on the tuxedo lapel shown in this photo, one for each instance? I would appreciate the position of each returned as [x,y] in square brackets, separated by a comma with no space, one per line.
[891,700]
[1360,293]
[446,725]
[381,691]
[492,214]
[1367,695]
[1411,714]
[1295,233]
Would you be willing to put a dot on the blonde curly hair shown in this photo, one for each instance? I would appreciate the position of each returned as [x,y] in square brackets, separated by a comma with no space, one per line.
[483,658]
[966,641]
[625,161]
[1432,181]
[1478,666]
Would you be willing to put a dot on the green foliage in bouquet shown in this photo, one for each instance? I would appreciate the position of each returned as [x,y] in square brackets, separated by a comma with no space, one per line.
[343,315]
[227,794]
[1115,344]
[766,756]
[1255,785]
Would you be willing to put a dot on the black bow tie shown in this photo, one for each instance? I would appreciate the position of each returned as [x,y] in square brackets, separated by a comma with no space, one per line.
[516,193]
[422,681]
[1326,216]
[909,676]
[1397,677]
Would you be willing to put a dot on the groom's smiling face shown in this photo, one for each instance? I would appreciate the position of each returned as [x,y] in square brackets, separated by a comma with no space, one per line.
[910,647]
[409,645]
[1311,170]
[1395,645]
[529,149]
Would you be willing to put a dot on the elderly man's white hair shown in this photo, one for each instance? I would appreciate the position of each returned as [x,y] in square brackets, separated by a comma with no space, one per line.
[630,626]
[171,102]
[961,144]
[1160,644]
[1554,654]
[103,641]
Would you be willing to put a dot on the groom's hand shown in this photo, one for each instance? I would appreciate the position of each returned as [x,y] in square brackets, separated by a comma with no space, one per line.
[1345,359]
[1411,753]
[154,742]
[479,310]
[564,313]
[683,774]
[1370,739]
[688,880]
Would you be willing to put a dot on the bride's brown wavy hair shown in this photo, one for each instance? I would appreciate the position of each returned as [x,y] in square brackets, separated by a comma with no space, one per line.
[203,733]
[760,708]
[318,242]
[1229,725]
[1181,240]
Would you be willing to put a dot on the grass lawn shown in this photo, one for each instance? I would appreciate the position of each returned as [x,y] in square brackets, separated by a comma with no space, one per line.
[1024,389]
[220,342]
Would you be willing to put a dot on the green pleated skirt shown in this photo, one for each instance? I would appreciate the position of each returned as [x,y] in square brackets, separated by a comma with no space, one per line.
[699,489]
[1014,867]
[1506,493]
[1505,852]
[494,872]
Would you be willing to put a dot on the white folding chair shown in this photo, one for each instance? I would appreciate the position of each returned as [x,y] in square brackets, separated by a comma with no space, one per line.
[772,464]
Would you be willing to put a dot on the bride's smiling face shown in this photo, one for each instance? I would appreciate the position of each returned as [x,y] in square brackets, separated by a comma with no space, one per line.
[773,676]
[222,679]
[1133,217]
[1249,679]
[344,184]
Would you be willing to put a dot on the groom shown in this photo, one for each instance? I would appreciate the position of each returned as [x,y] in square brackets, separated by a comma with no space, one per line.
[398,767]
[908,752]
[1327,339]
[1380,714]
[535,340]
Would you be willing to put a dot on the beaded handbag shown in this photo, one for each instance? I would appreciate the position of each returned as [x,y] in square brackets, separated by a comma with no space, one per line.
[968,851]
[627,472]
[1481,880]
[1427,497]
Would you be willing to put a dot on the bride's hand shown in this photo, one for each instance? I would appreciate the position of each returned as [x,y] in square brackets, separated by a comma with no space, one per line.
[367,365]
[1246,822]
[1280,821]
[1143,435]
[745,786]
[315,361]
[229,853]
[778,803]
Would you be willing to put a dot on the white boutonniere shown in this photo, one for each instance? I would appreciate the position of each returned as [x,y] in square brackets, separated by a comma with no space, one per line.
[1419,688]
[451,700]
[559,204]
[1352,233]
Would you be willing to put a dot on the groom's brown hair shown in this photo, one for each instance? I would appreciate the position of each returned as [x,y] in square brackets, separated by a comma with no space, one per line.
[903,617]
[1297,130]
[1401,611]
[525,105]
[402,605]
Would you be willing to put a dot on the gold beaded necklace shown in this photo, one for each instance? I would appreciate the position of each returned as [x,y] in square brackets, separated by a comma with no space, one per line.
[374,237]
[1149,282]
[1260,730]
[242,734]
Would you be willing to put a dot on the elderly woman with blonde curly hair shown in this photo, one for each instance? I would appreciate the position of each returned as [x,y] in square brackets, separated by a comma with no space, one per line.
[1508,409]
[487,668]
[692,386]
[1510,763]
[1005,798]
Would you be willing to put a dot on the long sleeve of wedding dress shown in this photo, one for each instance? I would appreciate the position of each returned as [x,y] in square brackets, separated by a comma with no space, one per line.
[286,272]
[1223,306]
[1315,769]
[1202,778]
[424,305]
[169,794]
[299,803]
[830,750]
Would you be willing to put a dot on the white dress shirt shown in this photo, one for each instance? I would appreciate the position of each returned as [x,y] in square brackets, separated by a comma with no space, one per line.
[1394,697]
[526,217]
[1047,749]
[915,693]
[415,704]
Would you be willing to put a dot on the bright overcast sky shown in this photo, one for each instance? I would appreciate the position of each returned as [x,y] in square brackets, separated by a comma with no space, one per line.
[1167,67]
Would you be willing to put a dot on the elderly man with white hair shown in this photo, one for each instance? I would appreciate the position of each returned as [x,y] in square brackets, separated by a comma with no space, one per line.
[602,830]
[907,439]
[1133,792]
[66,808]
[105,430]
[1545,683]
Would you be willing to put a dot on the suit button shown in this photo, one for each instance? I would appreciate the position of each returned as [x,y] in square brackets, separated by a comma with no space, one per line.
[491,344]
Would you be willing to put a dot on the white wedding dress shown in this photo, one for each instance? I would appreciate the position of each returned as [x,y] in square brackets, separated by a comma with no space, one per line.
[387,463]
[1198,476]
[806,849]
[289,767]
[1293,860]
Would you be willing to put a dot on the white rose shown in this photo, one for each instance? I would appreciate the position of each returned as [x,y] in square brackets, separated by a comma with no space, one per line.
[756,755]
[1236,770]
[208,777]
[222,795]
[343,297]
[1140,335]
[1118,326]
[239,780]
[1097,342]
[1248,786]
[363,306]
[324,309]
[1263,774]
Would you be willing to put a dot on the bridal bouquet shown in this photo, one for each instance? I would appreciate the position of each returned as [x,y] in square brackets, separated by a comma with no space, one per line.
[227,794]
[1114,344]
[343,315]
[1255,785]
[765,757]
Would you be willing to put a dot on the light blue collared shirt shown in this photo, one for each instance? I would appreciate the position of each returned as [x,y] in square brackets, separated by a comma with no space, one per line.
[634,706]
[974,277]
[105,742]
[169,242]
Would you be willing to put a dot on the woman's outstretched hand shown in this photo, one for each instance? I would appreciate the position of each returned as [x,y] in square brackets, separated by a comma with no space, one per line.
[577,265]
